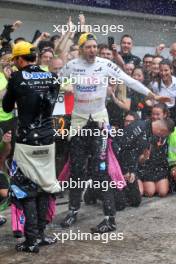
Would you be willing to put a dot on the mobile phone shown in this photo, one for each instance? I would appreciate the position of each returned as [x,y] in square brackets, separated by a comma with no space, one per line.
[36,35]
[110,42]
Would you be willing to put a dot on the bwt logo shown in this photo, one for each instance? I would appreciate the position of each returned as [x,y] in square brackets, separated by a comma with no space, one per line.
[36,75]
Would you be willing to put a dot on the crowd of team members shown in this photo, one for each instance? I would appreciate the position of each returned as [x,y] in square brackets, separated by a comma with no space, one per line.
[155,163]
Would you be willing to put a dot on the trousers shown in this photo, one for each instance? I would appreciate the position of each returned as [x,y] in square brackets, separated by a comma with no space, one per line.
[81,147]
[35,210]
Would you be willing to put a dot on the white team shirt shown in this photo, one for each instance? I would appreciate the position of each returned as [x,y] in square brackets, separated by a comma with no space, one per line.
[166,91]
[91,82]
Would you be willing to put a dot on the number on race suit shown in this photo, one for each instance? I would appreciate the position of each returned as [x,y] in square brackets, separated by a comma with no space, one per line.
[59,108]
[64,104]
[61,122]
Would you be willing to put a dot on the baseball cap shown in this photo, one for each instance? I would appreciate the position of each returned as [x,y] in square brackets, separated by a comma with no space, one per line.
[22,48]
[84,37]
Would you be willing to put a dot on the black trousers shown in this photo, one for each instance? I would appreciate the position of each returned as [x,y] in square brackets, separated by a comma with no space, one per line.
[81,148]
[129,196]
[35,210]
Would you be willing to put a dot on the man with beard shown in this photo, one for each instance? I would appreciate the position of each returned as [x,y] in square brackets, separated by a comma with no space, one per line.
[90,88]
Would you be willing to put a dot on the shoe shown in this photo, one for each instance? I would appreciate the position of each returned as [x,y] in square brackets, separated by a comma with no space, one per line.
[3,220]
[107,225]
[69,220]
[25,247]
[46,241]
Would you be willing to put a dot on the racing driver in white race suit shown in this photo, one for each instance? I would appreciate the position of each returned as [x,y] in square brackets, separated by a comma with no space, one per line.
[89,76]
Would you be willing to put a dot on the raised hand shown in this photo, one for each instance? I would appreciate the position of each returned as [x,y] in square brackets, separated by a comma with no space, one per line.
[7,137]
[44,35]
[162,99]
[16,24]
[160,48]
[115,48]
[82,19]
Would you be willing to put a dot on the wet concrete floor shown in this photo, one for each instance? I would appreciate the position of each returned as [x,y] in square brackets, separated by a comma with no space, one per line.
[149,237]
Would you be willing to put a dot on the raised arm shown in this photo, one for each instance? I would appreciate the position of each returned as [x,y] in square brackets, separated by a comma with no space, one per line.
[114,71]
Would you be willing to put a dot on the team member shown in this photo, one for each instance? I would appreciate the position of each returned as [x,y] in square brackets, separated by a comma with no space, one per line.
[153,168]
[126,45]
[166,85]
[4,182]
[173,54]
[89,112]
[172,160]
[33,167]
[136,139]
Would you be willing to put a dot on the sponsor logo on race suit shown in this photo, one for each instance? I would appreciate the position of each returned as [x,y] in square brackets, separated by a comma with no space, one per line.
[36,75]
[86,88]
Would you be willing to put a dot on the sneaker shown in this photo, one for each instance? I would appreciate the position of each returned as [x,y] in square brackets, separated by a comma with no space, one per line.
[3,220]
[24,247]
[46,241]
[69,220]
[107,225]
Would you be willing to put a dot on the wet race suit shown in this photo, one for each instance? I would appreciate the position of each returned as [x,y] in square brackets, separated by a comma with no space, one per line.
[35,93]
[89,112]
